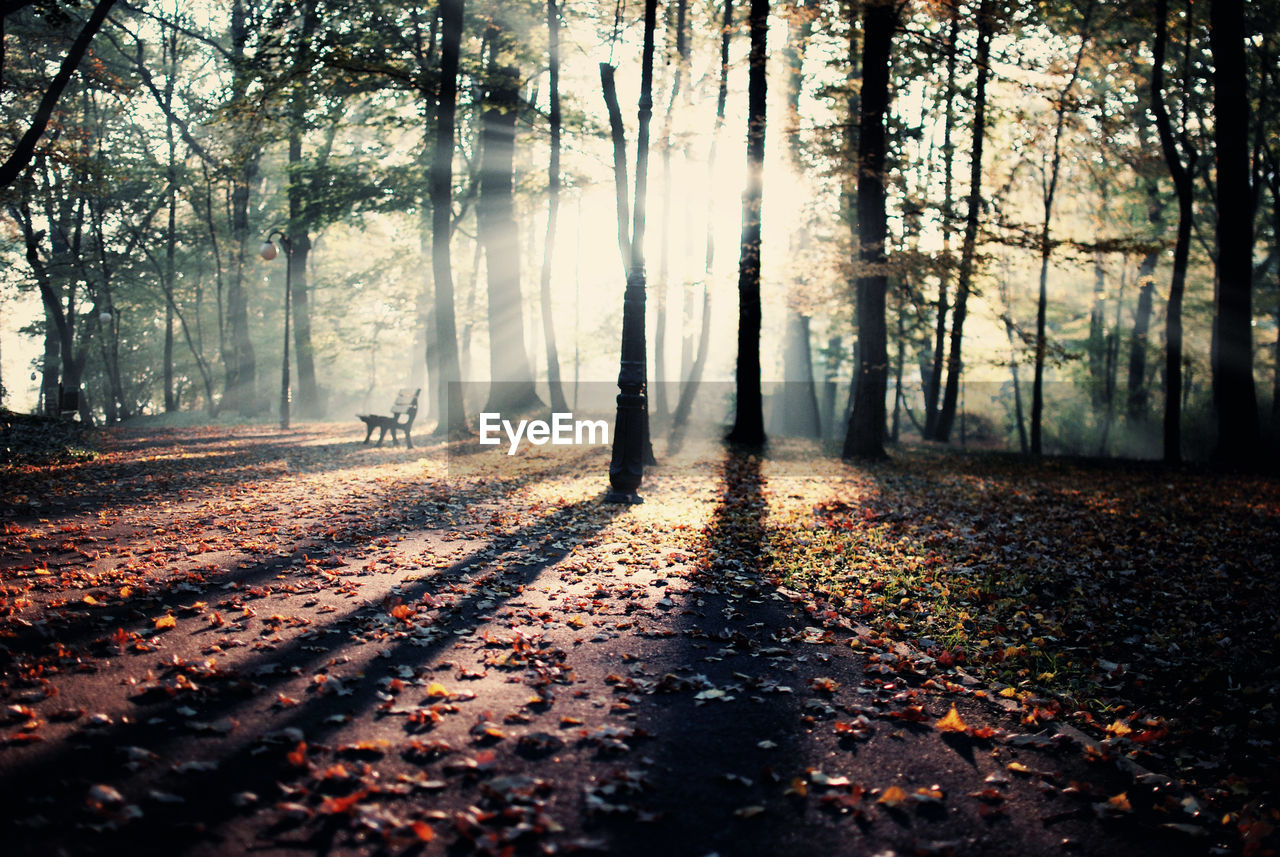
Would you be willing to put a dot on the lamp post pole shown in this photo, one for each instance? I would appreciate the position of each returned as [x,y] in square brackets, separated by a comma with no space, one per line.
[269,252]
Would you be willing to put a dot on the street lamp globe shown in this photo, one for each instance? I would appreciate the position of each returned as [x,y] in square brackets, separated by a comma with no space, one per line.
[268,251]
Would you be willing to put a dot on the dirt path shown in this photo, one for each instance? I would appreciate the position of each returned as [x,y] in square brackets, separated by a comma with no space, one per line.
[231,642]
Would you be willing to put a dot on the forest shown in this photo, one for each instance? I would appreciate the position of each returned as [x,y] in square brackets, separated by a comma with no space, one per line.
[1038,227]
[818,427]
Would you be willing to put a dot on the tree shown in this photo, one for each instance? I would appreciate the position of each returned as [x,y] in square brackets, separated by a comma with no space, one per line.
[1234,395]
[453,418]
[865,436]
[969,243]
[25,149]
[511,377]
[1049,175]
[748,425]
[1181,160]
[558,403]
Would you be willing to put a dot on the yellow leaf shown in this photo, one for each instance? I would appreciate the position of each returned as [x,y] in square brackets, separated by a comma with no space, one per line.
[90,600]
[1008,693]
[436,689]
[166,622]
[951,722]
[1118,728]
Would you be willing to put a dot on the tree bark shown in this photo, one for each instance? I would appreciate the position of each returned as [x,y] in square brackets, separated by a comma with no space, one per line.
[620,184]
[748,426]
[690,387]
[797,411]
[451,411]
[1137,401]
[1234,395]
[554,383]
[866,434]
[933,384]
[300,221]
[239,360]
[511,378]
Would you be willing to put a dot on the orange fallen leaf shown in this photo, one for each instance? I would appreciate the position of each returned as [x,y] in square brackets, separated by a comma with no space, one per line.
[298,756]
[892,796]
[951,722]
[166,622]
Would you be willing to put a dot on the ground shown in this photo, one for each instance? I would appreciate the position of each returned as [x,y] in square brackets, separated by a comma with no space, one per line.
[219,641]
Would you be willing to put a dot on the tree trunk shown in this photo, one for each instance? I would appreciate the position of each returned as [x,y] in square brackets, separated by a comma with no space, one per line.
[865,438]
[451,411]
[1049,186]
[1096,347]
[239,360]
[558,403]
[690,387]
[1182,175]
[797,408]
[1234,395]
[969,244]
[748,426]
[511,378]
[933,384]
[619,138]
[1136,407]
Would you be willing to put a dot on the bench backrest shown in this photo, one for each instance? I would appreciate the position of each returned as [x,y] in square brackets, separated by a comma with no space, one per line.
[406,403]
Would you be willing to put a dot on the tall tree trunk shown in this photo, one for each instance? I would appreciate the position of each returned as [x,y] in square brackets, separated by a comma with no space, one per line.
[452,414]
[1096,347]
[1136,405]
[830,385]
[1049,187]
[865,438]
[690,387]
[933,384]
[748,425]
[662,286]
[171,241]
[969,244]
[1234,395]
[1017,385]
[511,377]
[620,183]
[898,364]
[239,360]
[798,405]
[558,403]
[1180,158]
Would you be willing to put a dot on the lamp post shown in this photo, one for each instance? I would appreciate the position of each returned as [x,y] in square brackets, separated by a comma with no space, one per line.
[268,252]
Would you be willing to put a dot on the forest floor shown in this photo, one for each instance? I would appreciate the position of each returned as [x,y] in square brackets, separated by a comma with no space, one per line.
[238,640]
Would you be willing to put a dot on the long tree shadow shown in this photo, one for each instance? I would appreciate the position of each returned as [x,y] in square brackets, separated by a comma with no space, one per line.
[58,774]
[420,504]
[53,775]
[729,730]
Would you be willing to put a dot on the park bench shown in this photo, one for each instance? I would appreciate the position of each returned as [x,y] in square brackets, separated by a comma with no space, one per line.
[401,419]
